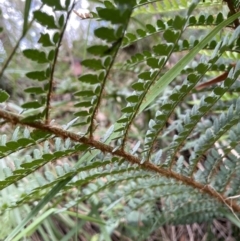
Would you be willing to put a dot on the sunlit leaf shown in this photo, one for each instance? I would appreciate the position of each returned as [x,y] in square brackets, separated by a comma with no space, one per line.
[3,95]
[45,19]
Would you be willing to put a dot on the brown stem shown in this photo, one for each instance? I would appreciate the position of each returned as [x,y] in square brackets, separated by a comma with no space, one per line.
[16,119]
[215,80]
[48,104]
[232,11]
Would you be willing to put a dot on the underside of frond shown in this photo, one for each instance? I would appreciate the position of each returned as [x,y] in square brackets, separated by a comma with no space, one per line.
[181,165]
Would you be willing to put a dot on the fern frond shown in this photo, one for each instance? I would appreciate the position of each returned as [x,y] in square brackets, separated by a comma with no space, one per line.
[149,77]
[172,157]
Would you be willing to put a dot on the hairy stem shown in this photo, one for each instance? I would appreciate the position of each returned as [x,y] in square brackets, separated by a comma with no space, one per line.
[16,119]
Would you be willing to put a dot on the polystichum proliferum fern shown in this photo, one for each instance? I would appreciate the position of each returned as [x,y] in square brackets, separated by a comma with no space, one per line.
[122,166]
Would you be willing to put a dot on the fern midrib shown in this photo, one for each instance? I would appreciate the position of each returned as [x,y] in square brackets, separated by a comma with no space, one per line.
[157,74]
[53,65]
[131,158]
[234,121]
[170,113]
[218,163]
[91,128]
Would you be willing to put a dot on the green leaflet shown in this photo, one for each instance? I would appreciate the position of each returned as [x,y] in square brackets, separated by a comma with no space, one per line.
[45,19]
[56,4]
[45,40]
[3,95]
[36,55]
